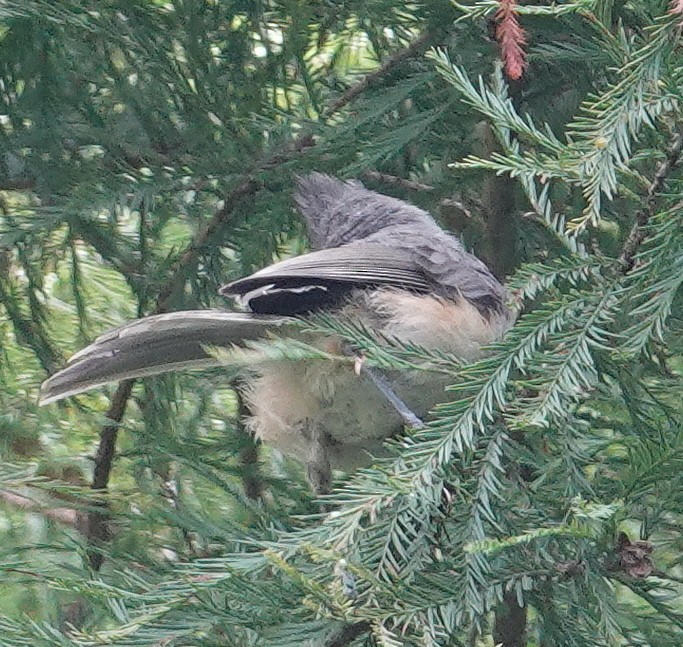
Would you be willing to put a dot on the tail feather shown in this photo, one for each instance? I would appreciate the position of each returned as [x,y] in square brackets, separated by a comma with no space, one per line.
[154,345]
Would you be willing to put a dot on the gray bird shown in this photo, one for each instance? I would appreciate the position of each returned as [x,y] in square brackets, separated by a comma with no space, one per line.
[378,260]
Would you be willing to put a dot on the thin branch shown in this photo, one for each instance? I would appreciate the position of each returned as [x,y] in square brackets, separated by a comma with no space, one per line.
[17,184]
[395,181]
[187,260]
[96,529]
[637,235]
[497,206]
[105,451]
[417,187]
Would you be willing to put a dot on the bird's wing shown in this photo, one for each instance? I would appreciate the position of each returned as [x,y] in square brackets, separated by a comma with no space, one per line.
[319,279]
[154,345]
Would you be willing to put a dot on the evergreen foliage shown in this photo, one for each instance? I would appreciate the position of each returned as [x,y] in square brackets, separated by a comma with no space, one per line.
[147,156]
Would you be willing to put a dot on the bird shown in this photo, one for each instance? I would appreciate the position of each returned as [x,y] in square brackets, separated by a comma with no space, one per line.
[375,260]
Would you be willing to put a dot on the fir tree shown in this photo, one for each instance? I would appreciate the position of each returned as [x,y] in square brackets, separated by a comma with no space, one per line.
[148,150]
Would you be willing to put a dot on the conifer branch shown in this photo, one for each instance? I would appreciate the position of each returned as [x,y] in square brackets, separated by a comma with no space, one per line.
[29,331]
[637,235]
[418,187]
[419,45]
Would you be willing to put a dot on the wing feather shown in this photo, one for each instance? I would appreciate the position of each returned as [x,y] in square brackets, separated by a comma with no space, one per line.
[358,265]
[154,345]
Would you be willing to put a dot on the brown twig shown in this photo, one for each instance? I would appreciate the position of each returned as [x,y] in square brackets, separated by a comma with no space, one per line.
[637,235]
[187,260]
[395,181]
[96,530]
[418,187]
[105,451]
[497,202]
[17,184]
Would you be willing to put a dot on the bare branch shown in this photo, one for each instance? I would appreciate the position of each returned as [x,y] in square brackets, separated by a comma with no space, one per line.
[395,181]
[96,529]
[189,257]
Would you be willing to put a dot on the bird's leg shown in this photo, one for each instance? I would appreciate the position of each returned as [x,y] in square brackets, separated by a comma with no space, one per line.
[410,420]
[318,464]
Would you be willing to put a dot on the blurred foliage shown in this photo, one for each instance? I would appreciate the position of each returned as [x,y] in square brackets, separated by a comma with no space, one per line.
[147,156]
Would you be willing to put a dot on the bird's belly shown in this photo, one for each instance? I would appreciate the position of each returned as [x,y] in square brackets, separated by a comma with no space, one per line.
[290,400]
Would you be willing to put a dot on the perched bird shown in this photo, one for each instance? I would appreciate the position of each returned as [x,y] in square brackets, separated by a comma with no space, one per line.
[376,260]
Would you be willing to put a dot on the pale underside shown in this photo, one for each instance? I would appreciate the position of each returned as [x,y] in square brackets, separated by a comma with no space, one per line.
[290,401]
